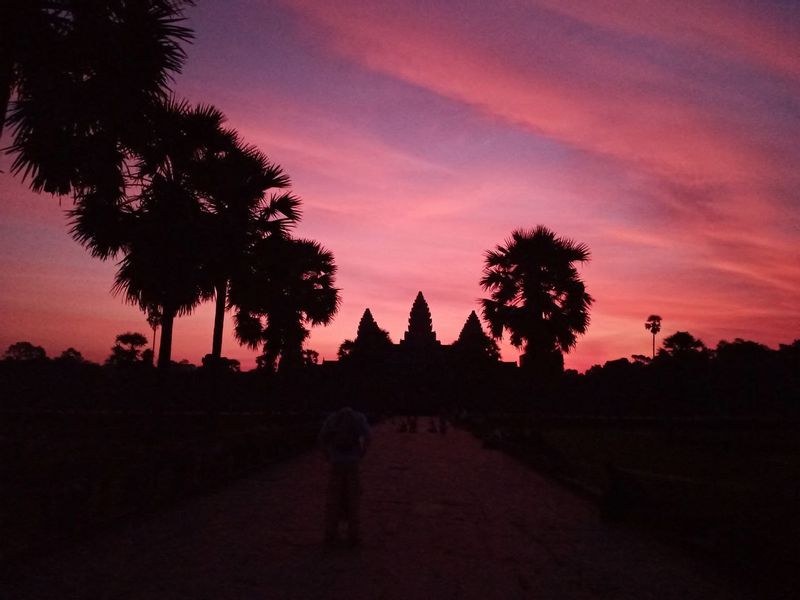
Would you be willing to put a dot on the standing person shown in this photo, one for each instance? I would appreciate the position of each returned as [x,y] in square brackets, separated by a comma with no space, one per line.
[344,438]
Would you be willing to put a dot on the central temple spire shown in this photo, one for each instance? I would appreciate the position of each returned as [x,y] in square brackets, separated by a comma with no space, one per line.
[420,325]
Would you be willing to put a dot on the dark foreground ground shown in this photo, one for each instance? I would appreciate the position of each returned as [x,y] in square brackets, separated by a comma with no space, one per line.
[443,518]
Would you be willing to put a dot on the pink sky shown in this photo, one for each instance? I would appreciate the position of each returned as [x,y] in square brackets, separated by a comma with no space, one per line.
[666,136]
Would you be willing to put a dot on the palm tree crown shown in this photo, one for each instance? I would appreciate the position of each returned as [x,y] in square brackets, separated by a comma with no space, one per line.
[290,285]
[84,74]
[536,292]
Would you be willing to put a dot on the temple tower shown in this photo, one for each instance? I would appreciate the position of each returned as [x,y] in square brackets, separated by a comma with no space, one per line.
[420,334]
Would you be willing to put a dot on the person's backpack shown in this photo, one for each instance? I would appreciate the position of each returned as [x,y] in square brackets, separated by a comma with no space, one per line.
[345,434]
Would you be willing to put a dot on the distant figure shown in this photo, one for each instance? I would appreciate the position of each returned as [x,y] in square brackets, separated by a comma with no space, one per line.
[344,438]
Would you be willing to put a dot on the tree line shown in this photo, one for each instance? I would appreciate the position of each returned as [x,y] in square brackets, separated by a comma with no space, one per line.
[190,211]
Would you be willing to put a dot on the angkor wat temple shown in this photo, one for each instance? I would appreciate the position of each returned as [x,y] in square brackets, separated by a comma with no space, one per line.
[419,346]
[419,373]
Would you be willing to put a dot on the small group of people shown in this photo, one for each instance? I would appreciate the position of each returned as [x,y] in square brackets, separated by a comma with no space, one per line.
[435,425]
[408,424]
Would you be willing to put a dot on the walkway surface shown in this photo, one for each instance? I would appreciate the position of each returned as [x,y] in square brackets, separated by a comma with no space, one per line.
[442,518]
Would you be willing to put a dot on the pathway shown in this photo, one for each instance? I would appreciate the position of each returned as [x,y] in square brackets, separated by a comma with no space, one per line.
[442,518]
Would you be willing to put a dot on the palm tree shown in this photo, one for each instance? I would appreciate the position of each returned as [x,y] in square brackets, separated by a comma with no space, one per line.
[154,320]
[163,231]
[162,265]
[290,285]
[653,324]
[537,295]
[84,74]
[233,185]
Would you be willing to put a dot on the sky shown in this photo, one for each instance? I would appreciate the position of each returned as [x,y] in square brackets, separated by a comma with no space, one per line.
[419,134]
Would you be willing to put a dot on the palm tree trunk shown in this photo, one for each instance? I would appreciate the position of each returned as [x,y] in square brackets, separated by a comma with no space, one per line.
[654,345]
[219,318]
[165,353]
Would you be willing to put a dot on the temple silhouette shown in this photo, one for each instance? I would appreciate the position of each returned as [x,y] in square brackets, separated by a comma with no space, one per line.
[419,348]
[418,371]
[420,336]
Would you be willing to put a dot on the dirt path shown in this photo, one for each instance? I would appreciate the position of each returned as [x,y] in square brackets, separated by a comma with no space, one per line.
[442,518]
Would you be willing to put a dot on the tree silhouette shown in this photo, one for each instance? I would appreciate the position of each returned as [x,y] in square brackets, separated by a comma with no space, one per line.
[25,351]
[745,370]
[290,284]
[162,263]
[221,364]
[310,357]
[682,344]
[473,344]
[126,350]
[188,233]
[537,295]
[653,324]
[154,320]
[345,351]
[84,75]
[163,232]
[71,356]
[233,185]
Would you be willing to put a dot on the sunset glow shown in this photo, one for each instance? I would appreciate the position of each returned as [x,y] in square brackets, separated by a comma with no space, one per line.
[420,134]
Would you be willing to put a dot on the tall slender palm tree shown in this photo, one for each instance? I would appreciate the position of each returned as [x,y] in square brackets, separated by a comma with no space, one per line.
[653,325]
[234,187]
[290,285]
[537,294]
[154,321]
[83,74]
